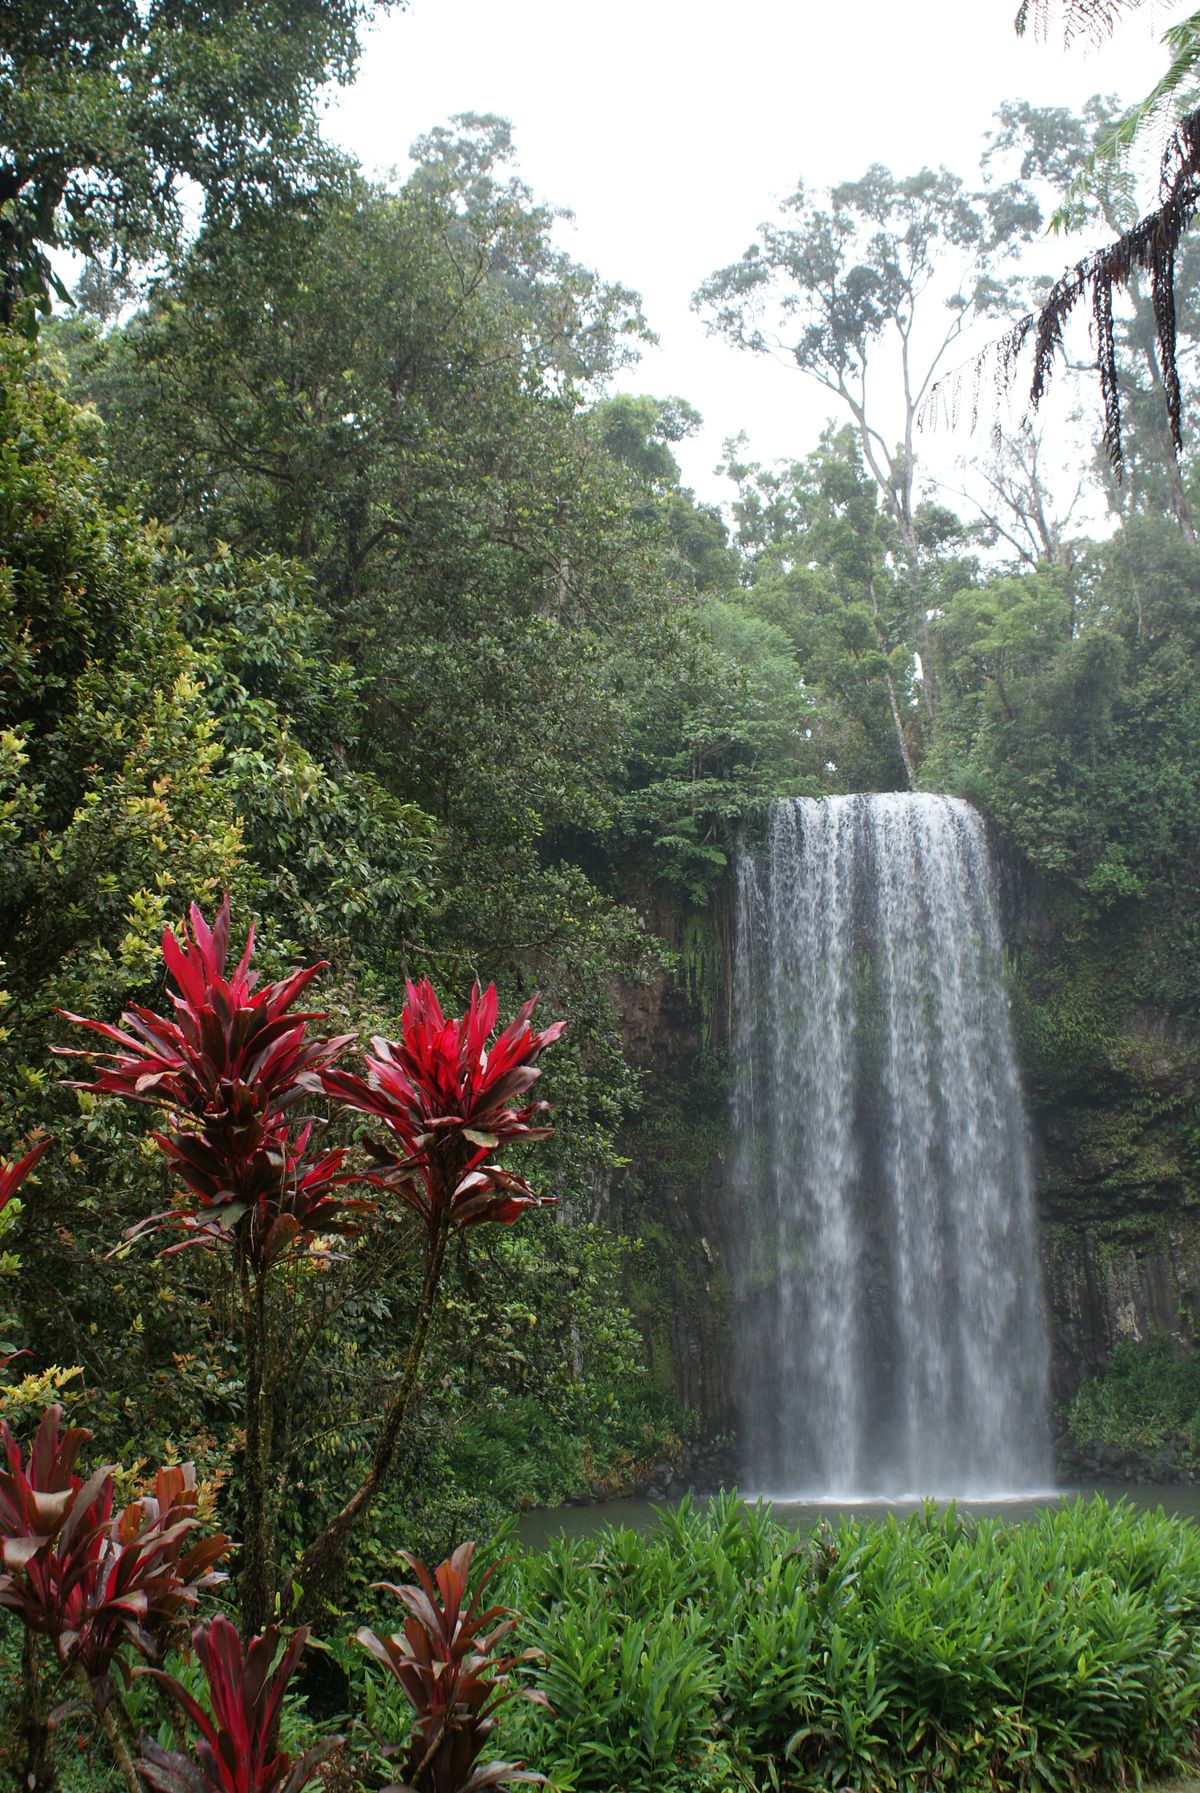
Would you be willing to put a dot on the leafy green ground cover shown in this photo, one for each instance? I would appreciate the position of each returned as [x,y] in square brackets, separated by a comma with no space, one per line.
[722,1653]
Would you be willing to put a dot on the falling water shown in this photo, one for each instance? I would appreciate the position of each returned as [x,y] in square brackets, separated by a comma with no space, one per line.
[890,1330]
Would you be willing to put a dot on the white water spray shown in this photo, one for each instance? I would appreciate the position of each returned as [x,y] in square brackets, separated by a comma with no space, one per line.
[890,1336]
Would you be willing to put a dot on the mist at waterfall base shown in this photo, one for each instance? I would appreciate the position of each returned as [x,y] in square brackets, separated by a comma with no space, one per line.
[889,1332]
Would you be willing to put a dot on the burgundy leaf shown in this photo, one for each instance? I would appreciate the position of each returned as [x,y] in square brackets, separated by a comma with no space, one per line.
[235,1751]
[88,1581]
[445,1660]
[13,1175]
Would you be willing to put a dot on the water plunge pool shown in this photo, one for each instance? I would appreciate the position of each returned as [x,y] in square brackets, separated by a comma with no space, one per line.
[535,1528]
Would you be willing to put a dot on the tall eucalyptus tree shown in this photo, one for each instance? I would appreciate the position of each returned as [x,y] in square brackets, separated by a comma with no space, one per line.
[870,291]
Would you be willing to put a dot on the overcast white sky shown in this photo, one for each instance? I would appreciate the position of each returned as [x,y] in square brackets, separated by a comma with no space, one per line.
[671,129]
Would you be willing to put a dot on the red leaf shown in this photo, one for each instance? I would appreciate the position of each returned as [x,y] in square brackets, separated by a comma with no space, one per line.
[446,1662]
[226,1071]
[89,1582]
[13,1175]
[236,1752]
[446,1098]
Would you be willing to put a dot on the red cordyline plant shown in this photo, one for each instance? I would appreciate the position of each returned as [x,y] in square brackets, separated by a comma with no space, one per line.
[87,1580]
[445,1660]
[446,1097]
[236,1751]
[449,1096]
[91,1581]
[14,1174]
[228,1069]
[285,1202]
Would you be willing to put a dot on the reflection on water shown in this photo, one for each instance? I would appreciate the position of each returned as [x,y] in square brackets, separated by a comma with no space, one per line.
[536,1528]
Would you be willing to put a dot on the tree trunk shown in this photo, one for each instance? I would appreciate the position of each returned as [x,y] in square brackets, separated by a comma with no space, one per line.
[897,720]
[38,1773]
[256,1583]
[111,1729]
[321,1568]
[920,618]
[901,743]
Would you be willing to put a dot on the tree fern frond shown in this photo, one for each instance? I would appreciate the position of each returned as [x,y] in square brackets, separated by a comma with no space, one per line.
[1176,94]
[1150,248]
[1095,18]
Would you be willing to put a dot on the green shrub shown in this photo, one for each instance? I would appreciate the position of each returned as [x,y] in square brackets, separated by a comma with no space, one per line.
[632,1709]
[1147,1397]
[933,1652]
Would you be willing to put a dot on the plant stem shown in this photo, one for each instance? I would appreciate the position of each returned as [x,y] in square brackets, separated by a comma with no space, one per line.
[320,1569]
[256,1583]
[38,1773]
[111,1729]
[177,1720]
[427,1758]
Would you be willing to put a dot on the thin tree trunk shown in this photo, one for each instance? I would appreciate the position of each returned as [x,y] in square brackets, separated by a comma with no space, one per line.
[111,1729]
[38,1773]
[920,620]
[901,743]
[321,1567]
[256,1583]
[897,721]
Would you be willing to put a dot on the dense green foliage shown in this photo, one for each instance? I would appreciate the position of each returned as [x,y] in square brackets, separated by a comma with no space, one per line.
[1147,1404]
[335,575]
[109,108]
[719,1651]
[150,754]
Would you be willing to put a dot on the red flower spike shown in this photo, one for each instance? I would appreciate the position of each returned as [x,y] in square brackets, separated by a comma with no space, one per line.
[235,1751]
[89,1582]
[13,1175]
[445,1660]
[226,1070]
[447,1098]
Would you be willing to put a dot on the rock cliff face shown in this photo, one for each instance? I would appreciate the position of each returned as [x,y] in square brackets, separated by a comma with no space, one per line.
[1112,1091]
[672,1194]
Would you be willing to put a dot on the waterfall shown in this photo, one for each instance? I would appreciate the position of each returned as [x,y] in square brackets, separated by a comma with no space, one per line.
[889,1333]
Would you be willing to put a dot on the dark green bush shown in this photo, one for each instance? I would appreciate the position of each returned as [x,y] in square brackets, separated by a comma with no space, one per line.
[931,1652]
[1147,1397]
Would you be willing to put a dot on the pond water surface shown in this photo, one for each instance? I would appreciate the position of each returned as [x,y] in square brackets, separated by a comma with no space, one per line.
[536,1528]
